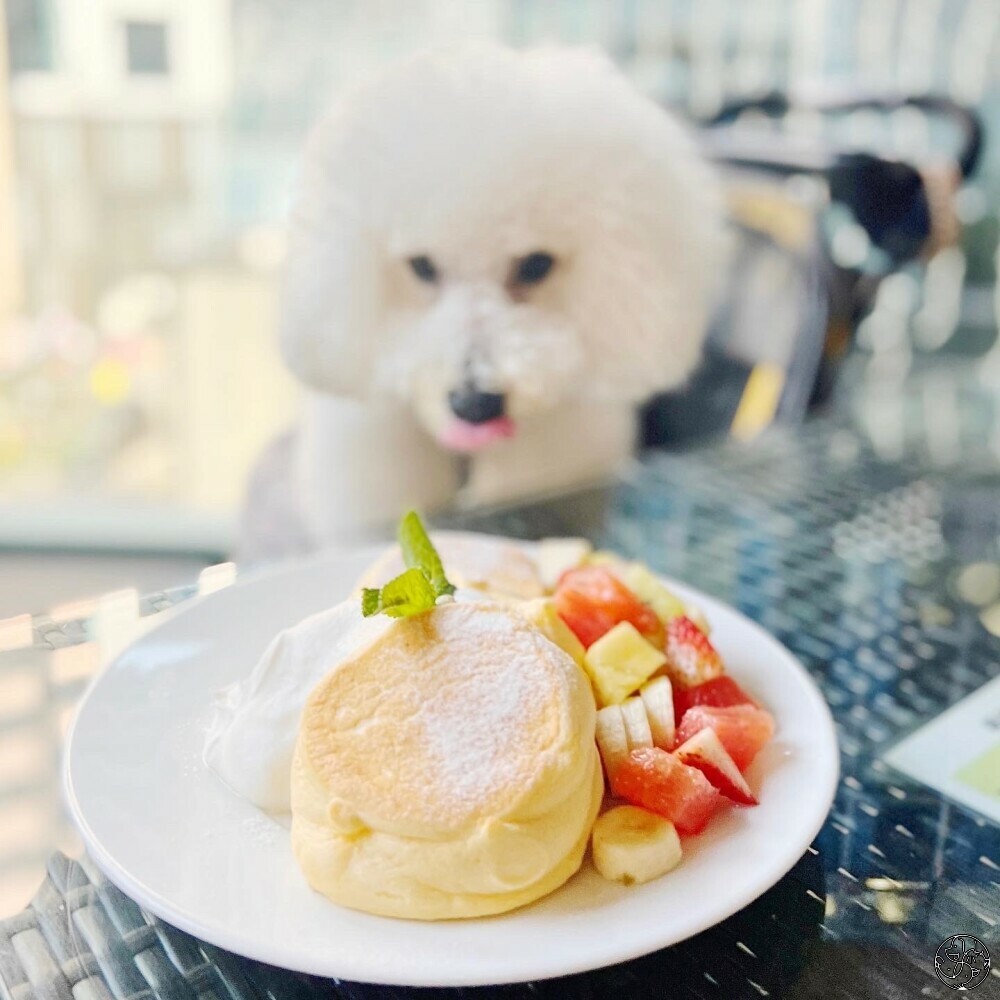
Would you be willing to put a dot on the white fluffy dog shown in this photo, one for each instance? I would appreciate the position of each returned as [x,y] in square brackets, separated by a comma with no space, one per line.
[494,257]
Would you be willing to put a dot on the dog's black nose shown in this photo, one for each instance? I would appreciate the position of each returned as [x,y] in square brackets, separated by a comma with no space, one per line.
[475,407]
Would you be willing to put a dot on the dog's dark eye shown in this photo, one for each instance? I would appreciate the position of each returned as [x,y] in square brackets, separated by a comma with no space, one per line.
[534,268]
[423,267]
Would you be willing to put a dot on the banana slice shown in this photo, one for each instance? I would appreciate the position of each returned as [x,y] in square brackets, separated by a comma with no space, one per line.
[658,697]
[633,845]
[612,737]
[636,723]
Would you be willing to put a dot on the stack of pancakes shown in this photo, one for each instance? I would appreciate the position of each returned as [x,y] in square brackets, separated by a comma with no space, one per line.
[447,768]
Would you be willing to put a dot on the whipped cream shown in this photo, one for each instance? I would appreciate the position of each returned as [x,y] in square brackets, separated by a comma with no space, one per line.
[252,733]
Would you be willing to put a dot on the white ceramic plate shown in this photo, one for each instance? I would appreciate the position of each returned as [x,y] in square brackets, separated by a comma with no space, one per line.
[175,839]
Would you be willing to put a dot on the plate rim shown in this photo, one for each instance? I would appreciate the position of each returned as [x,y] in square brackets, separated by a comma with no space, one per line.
[826,781]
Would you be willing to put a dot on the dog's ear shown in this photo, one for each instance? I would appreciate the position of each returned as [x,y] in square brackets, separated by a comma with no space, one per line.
[332,290]
[648,276]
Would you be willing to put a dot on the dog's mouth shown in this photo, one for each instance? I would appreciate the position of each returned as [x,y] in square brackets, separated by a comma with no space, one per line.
[478,419]
[459,435]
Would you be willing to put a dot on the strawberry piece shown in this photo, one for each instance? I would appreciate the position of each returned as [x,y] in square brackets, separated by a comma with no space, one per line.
[658,781]
[592,600]
[705,751]
[720,692]
[742,729]
[691,657]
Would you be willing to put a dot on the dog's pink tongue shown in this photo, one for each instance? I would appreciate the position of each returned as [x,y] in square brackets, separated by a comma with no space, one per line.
[462,436]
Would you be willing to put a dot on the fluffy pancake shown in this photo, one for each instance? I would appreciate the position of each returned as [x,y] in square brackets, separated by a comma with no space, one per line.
[480,562]
[446,769]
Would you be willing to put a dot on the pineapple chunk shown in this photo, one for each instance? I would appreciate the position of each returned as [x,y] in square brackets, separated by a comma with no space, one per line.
[542,613]
[696,615]
[556,555]
[619,662]
[604,557]
[648,588]
[634,845]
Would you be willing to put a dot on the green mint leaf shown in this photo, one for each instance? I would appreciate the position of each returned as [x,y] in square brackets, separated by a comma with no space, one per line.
[371,601]
[419,553]
[418,587]
[408,594]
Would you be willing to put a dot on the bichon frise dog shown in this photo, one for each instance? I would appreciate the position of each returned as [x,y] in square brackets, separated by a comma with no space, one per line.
[494,257]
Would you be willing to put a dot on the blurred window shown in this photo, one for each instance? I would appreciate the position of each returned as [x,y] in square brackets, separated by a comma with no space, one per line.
[29,35]
[146,48]
[151,146]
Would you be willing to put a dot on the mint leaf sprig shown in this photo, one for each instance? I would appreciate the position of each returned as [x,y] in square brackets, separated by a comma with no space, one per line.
[419,586]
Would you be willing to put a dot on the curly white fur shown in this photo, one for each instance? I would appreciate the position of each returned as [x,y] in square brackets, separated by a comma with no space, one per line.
[476,157]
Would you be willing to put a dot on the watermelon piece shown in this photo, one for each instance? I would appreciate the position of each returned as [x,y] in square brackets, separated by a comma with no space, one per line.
[592,600]
[742,729]
[720,692]
[658,781]
[705,751]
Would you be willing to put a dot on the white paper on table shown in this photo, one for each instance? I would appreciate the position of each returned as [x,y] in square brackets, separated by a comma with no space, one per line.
[958,753]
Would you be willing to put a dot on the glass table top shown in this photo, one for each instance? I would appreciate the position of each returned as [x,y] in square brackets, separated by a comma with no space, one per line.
[868,543]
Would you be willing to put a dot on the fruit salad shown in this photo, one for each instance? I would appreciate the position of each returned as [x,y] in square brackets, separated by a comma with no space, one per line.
[675,732]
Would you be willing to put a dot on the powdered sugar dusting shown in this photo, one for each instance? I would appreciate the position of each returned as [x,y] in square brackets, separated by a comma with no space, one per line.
[488,724]
[469,735]
[453,715]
